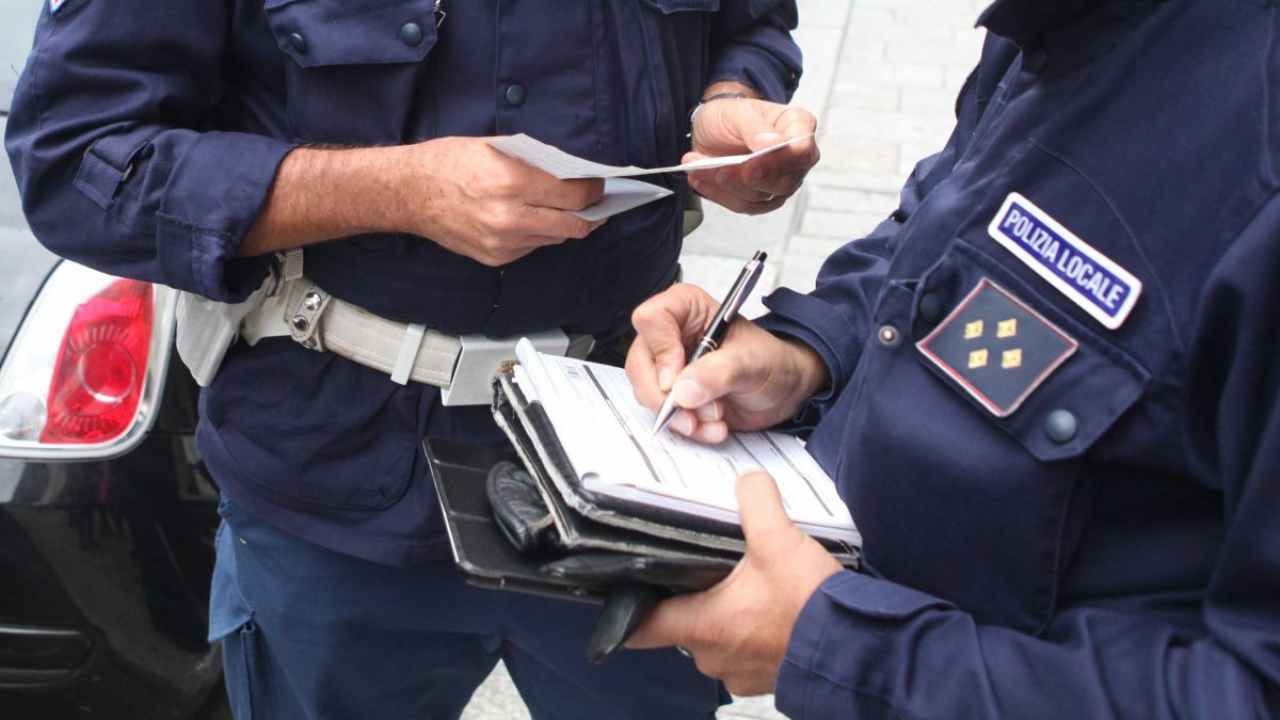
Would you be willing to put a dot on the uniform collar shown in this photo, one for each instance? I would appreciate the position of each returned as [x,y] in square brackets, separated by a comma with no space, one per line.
[1066,30]
[1028,22]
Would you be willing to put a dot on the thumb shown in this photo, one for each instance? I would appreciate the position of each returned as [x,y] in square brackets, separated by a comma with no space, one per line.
[760,507]
[671,623]
[760,141]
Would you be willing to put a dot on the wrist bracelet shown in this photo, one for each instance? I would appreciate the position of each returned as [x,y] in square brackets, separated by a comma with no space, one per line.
[693,116]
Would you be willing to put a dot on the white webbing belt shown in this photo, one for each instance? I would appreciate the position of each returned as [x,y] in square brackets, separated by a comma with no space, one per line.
[406,352]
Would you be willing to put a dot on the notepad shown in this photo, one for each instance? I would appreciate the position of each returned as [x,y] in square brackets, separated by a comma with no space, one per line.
[605,435]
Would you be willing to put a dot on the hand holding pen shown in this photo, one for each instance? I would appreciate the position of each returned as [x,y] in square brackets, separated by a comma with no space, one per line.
[719,327]
[755,380]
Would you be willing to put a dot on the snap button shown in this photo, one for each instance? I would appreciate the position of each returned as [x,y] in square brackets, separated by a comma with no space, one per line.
[515,94]
[889,336]
[930,307]
[298,42]
[1061,426]
[411,34]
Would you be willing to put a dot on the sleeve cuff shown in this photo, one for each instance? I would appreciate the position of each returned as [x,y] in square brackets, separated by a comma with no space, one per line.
[215,194]
[812,321]
[746,63]
[843,636]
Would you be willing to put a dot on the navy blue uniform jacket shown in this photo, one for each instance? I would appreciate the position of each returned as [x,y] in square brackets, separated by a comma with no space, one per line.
[145,137]
[1112,547]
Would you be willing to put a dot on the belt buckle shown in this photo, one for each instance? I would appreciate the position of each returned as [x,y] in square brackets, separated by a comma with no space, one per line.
[480,358]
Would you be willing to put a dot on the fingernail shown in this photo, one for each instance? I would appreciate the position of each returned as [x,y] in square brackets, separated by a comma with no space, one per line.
[682,423]
[709,413]
[666,376]
[690,393]
[757,174]
[769,138]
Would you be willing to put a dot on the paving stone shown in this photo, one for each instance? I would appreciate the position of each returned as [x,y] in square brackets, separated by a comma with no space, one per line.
[849,150]
[820,248]
[827,198]
[728,234]
[496,699]
[827,223]
[824,13]
[716,275]
[799,272]
[865,96]
[821,54]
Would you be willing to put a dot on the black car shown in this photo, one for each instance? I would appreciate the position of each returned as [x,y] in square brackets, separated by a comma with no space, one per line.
[107,514]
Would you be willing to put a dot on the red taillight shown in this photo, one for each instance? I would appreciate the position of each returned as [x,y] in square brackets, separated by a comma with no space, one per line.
[97,380]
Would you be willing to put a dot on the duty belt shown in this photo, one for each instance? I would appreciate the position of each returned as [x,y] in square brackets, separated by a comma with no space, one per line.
[461,366]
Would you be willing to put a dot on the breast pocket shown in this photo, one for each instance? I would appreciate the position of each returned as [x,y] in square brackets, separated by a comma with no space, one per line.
[971,427]
[354,65]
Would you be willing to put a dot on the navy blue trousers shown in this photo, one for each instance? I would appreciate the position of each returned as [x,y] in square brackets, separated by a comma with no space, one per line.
[311,634]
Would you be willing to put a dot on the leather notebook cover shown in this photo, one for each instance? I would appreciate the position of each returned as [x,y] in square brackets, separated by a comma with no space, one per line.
[481,551]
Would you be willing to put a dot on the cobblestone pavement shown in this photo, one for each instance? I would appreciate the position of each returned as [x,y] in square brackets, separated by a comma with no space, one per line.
[882,76]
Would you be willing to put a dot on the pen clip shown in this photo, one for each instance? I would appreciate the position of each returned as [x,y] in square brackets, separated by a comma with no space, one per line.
[737,297]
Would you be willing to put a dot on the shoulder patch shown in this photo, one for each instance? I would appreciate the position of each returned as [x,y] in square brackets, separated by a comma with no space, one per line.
[996,348]
[1075,268]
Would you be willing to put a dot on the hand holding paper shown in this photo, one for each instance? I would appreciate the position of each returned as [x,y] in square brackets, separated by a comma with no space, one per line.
[620,194]
[728,127]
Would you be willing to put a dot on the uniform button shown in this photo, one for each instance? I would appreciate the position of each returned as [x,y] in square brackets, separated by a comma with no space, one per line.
[930,307]
[411,34]
[1061,426]
[515,94]
[298,42]
[889,336]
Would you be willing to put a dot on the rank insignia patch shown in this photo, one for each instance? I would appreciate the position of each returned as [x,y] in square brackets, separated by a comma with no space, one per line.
[996,348]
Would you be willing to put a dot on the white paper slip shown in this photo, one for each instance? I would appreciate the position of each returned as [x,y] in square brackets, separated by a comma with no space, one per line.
[564,166]
[621,195]
[606,434]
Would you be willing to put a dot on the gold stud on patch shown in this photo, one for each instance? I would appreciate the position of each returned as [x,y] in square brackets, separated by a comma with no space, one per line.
[1001,370]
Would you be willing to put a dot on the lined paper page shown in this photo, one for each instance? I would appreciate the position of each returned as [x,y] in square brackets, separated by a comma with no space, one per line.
[607,436]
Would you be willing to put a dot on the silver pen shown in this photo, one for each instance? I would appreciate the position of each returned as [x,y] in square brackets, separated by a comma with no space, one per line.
[719,327]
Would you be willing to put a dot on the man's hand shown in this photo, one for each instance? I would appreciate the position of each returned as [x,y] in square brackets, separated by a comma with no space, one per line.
[739,126]
[754,381]
[738,631]
[480,203]
[458,192]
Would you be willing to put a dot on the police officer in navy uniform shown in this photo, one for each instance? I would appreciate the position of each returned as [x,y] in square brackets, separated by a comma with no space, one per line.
[1047,386]
[186,142]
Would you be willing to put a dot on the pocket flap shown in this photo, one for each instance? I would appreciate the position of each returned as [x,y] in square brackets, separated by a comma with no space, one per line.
[109,162]
[667,7]
[1073,403]
[317,33]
